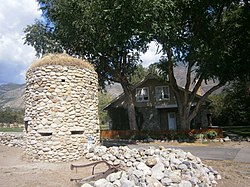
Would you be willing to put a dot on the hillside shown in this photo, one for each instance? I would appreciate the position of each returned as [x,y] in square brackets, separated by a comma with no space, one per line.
[12,95]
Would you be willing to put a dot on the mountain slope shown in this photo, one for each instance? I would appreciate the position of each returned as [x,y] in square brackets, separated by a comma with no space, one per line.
[12,95]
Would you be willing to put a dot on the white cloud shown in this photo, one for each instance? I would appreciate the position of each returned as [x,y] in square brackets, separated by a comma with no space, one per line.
[15,57]
[152,55]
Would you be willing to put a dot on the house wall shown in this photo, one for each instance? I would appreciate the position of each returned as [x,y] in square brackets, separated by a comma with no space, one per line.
[152,84]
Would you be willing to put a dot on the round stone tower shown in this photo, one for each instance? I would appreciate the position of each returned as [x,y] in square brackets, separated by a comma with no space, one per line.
[61,108]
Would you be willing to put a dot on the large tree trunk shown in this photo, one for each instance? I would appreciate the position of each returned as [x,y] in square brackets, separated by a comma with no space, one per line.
[131,109]
[130,105]
[184,122]
[185,98]
[180,96]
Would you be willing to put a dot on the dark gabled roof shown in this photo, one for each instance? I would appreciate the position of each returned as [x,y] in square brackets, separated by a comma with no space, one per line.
[149,76]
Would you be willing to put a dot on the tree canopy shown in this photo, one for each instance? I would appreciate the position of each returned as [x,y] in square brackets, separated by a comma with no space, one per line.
[110,34]
[211,38]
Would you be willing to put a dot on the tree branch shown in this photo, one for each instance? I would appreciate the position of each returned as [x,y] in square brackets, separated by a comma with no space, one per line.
[202,100]
[195,89]
[188,82]
[172,80]
[188,76]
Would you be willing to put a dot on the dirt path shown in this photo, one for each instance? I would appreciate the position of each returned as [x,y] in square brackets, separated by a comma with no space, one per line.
[234,174]
[16,172]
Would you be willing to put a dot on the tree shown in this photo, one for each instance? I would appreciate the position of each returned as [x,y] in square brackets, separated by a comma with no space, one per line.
[232,107]
[139,74]
[196,34]
[104,99]
[10,115]
[42,38]
[108,33]
[211,38]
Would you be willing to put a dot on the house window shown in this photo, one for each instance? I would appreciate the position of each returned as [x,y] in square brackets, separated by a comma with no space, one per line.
[162,93]
[142,94]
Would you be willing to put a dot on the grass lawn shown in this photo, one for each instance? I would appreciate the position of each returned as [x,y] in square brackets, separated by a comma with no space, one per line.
[240,130]
[11,129]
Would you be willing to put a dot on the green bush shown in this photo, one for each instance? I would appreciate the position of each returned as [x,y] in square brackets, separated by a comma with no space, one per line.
[10,115]
[139,137]
[183,136]
[172,135]
[199,136]
[211,134]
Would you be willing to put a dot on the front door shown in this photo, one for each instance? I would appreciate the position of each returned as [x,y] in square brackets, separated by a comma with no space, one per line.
[171,121]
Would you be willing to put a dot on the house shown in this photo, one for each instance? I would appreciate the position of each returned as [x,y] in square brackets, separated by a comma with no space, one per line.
[155,105]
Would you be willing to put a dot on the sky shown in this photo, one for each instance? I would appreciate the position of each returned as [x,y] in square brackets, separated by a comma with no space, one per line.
[15,57]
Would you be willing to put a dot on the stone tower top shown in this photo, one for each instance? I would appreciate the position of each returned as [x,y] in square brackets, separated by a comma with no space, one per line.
[60,59]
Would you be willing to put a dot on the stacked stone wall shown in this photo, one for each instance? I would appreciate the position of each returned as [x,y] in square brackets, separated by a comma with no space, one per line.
[61,112]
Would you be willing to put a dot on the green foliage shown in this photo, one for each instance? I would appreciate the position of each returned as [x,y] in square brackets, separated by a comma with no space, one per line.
[183,136]
[210,38]
[108,33]
[139,137]
[104,99]
[138,75]
[218,109]
[46,42]
[243,131]
[11,129]
[199,136]
[9,115]
[237,103]
[232,107]
[172,135]
[211,134]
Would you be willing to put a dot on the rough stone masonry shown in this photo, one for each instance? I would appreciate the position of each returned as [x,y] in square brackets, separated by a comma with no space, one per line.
[61,111]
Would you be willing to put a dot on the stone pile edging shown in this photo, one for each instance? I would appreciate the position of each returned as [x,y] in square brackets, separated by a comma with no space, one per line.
[153,167]
[12,140]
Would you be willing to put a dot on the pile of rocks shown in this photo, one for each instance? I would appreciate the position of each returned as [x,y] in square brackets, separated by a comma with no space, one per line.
[11,140]
[152,167]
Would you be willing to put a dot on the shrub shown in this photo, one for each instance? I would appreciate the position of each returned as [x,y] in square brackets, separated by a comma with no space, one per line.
[183,136]
[139,137]
[199,136]
[211,134]
[172,135]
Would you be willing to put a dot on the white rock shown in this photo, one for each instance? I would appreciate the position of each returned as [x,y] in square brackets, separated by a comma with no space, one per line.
[89,155]
[46,149]
[117,183]
[152,181]
[185,184]
[126,183]
[175,177]
[166,181]
[100,183]
[157,171]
